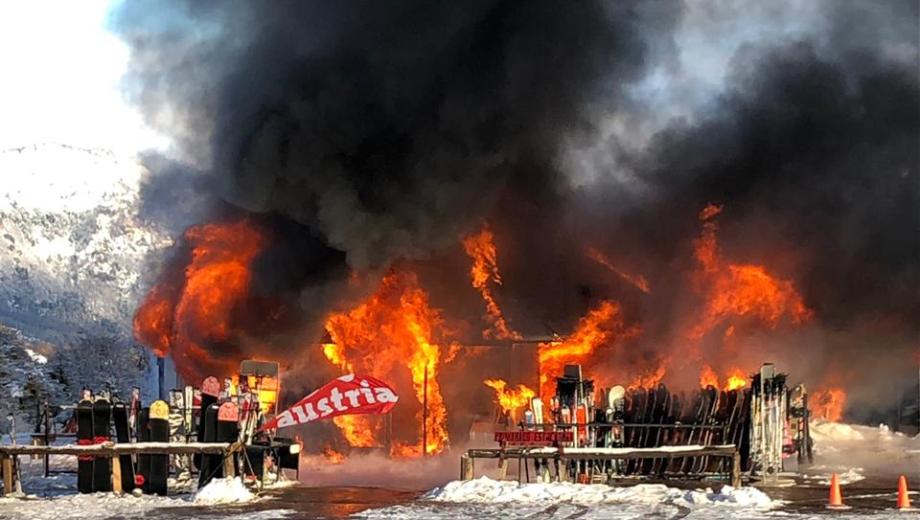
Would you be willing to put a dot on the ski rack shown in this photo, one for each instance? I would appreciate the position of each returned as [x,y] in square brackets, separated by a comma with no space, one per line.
[753,420]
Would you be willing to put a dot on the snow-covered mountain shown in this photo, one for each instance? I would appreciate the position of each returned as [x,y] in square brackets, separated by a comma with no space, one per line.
[73,254]
[72,248]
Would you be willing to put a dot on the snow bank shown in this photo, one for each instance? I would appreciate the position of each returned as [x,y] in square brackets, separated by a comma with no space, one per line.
[224,491]
[486,490]
[835,432]
[856,452]
[745,497]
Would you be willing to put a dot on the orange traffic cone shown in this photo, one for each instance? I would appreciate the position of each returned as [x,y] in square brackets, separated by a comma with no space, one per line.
[903,499]
[835,501]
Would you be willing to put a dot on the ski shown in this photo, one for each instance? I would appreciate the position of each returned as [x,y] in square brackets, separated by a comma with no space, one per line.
[159,432]
[228,426]
[102,466]
[84,438]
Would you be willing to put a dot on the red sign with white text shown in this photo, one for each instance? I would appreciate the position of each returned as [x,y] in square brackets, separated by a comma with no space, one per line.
[346,395]
[533,438]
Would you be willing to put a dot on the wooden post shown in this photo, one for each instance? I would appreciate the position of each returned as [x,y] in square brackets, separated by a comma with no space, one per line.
[425,413]
[116,475]
[229,467]
[6,468]
[466,467]
[736,470]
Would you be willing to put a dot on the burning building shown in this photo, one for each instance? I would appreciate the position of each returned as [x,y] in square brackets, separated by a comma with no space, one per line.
[339,170]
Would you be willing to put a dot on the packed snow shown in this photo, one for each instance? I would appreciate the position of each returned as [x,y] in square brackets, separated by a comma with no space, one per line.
[227,490]
[487,490]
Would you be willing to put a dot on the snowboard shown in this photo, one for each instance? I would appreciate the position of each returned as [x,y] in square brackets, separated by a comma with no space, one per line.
[228,426]
[102,466]
[159,432]
[143,461]
[85,438]
[210,390]
[122,436]
[211,466]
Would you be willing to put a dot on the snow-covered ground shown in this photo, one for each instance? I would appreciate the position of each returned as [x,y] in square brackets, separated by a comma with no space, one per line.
[56,498]
[487,498]
[857,453]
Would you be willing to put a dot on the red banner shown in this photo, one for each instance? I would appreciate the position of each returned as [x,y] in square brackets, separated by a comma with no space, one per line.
[535,438]
[346,395]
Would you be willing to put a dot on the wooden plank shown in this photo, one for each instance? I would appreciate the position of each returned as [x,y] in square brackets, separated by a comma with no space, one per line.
[111,449]
[600,454]
[116,475]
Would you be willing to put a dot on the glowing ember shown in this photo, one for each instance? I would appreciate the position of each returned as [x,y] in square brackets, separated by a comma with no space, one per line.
[602,325]
[740,290]
[638,281]
[188,316]
[828,403]
[481,248]
[510,400]
[395,329]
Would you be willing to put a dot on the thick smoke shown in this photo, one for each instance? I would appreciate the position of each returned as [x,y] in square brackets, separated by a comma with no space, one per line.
[384,131]
[374,133]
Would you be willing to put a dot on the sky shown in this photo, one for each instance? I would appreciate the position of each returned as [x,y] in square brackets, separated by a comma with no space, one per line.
[61,72]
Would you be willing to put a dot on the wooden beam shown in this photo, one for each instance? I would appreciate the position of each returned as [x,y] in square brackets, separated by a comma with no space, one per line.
[111,449]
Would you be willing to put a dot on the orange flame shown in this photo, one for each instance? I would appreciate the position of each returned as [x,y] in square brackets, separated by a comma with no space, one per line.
[638,281]
[649,379]
[601,325]
[332,456]
[358,430]
[394,329]
[734,381]
[740,289]
[198,310]
[510,400]
[828,403]
[481,248]
[708,377]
